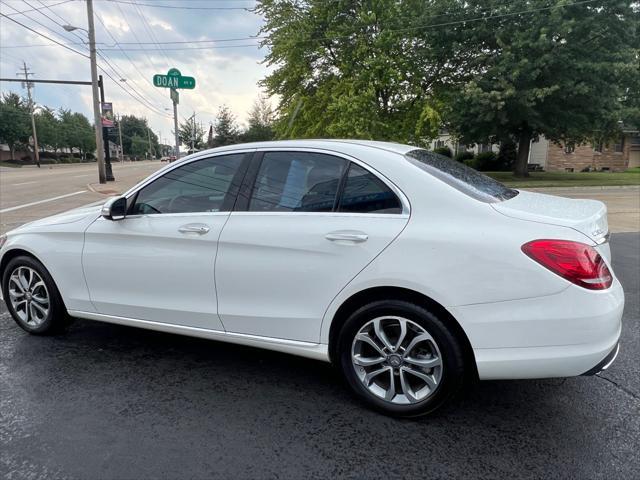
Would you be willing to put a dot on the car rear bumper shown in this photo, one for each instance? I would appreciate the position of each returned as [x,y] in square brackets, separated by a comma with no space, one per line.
[571,333]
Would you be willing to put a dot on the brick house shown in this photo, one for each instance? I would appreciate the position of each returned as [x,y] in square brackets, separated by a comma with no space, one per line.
[615,156]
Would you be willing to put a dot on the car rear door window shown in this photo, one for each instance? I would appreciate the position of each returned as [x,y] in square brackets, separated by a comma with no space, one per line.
[207,185]
[297,182]
[365,193]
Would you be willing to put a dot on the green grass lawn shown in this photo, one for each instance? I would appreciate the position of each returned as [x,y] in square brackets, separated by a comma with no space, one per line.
[561,179]
[8,164]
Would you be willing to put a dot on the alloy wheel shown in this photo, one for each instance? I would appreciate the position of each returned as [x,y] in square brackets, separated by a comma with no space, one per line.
[29,296]
[397,360]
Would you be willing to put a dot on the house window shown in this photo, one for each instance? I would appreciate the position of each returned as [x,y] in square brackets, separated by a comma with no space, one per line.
[438,144]
[618,147]
[569,147]
[484,147]
[597,146]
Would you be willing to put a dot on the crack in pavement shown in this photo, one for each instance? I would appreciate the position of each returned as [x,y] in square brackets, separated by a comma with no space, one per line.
[617,385]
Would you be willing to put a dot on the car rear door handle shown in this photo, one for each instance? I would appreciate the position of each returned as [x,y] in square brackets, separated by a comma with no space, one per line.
[348,236]
[198,228]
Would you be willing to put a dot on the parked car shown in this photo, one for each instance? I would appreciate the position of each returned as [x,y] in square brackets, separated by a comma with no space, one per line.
[411,272]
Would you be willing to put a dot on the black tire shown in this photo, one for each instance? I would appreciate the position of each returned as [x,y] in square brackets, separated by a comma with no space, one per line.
[451,355]
[57,318]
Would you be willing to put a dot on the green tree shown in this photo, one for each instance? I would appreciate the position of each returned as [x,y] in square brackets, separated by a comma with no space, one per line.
[133,126]
[48,127]
[260,122]
[225,128]
[76,132]
[191,134]
[560,71]
[139,146]
[365,69]
[15,127]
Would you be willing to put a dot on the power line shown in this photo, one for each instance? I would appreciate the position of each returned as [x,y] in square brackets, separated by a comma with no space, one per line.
[337,37]
[142,97]
[38,9]
[82,54]
[127,56]
[44,36]
[179,7]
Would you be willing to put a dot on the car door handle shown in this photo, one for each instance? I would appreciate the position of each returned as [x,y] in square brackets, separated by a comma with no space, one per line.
[199,228]
[356,237]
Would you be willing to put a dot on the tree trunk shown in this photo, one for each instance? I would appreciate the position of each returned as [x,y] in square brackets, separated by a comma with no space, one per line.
[521,167]
[12,149]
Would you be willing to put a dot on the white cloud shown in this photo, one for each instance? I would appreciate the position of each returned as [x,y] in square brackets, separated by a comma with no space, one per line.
[224,75]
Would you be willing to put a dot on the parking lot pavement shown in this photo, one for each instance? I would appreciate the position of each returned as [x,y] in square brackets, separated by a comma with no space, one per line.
[106,401]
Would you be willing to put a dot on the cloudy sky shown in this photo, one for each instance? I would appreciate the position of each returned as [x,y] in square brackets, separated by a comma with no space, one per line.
[136,39]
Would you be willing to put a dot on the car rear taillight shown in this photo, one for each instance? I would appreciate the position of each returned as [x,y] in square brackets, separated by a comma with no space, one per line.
[577,262]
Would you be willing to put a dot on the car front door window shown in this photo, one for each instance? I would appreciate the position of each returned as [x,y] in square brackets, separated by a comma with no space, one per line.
[207,185]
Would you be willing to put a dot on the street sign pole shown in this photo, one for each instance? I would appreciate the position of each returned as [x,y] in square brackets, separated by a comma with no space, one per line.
[174,80]
[174,98]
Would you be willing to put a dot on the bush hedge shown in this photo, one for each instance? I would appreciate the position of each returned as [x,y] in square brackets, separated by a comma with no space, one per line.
[462,156]
[446,151]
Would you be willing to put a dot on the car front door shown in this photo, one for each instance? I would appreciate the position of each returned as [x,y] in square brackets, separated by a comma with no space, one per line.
[157,264]
[304,227]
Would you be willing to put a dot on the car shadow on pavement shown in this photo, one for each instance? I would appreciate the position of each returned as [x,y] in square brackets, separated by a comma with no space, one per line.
[174,399]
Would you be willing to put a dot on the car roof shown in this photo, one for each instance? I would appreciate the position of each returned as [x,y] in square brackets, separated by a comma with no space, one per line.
[337,145]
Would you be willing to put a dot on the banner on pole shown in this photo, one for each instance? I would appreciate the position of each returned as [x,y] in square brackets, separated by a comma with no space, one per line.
[107,115]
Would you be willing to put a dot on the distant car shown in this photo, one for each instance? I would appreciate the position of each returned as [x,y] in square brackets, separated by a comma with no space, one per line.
[409,271]
[172,158]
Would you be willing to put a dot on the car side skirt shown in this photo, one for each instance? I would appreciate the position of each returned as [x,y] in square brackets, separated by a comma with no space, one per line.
[315,351]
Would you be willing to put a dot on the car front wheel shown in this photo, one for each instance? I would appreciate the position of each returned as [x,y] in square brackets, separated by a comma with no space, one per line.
[400,358]
[32,296]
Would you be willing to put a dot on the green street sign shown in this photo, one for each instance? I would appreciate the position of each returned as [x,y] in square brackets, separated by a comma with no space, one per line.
[174,79]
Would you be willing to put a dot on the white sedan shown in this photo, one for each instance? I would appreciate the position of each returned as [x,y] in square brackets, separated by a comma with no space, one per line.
[409,271]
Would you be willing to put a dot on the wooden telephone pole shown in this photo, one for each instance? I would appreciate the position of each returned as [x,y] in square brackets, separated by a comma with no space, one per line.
[29,85]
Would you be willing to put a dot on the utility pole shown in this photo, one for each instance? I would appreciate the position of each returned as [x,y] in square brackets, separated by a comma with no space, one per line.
[102,177]
[120,138]
[149,137]
[29,86]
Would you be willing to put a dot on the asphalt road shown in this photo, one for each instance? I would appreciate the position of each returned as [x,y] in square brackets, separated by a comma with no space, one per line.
[30,193]
[104,401]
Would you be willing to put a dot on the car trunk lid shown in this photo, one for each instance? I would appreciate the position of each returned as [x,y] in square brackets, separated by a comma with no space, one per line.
[586,216]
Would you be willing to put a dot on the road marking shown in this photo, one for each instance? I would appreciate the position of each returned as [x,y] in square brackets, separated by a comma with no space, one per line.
[18,207]
[78,176]
[23,183]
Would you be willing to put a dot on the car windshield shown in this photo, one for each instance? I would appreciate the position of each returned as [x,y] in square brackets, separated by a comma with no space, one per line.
[461,177]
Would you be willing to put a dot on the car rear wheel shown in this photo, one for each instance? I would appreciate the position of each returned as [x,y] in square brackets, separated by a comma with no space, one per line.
[400,358]
[32,297]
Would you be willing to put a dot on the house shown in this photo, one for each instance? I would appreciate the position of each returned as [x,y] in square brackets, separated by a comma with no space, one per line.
[616,155]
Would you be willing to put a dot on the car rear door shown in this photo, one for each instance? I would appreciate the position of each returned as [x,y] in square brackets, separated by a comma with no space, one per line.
[157,264]
[306,223]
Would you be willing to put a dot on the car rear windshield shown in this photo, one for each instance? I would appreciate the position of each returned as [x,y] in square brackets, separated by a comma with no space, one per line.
[461,177]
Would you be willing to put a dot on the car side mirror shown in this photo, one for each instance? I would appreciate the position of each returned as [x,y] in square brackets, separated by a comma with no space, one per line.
[115,208]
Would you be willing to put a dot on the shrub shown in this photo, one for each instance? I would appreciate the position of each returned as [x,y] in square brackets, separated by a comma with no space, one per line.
[90,156]
[66,159]
[487,162]
[470,162]
[462,156]
[48,161]
[446,151]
